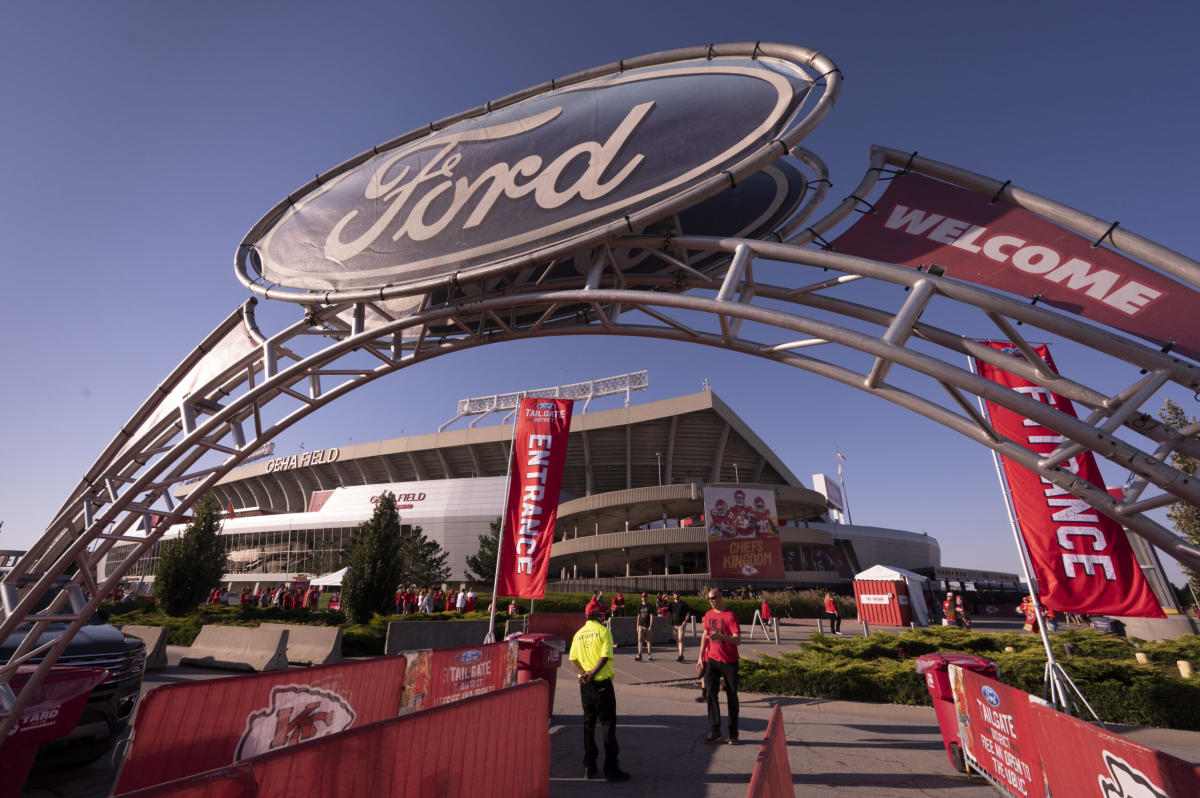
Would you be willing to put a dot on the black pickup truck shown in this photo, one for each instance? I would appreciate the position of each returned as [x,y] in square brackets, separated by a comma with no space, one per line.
[97,644]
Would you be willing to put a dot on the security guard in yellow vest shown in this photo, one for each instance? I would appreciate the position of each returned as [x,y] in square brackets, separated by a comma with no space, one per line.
[591,656]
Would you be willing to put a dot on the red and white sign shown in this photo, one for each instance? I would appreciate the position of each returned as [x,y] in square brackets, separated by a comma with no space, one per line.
[434,677]
[539,451]
[1082,560]
[919,221]
[743,535]
[996,733]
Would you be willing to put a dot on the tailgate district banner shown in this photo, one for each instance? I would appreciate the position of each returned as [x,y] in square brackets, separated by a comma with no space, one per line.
[434,677]
[539,451]
[919,220]
[743,534]
[996,732]
[1081,558]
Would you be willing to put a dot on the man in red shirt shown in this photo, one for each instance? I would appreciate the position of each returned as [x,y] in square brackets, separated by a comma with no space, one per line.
[719,661]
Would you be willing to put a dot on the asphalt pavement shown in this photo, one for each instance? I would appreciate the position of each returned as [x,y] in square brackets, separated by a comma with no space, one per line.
[850,748]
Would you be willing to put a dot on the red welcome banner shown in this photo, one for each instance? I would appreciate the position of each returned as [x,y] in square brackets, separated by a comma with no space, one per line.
[440,676]
[996,732]
[919,221]
[539,451]
[1081,558]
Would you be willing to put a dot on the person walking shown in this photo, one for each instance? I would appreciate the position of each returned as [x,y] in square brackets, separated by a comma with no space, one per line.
[645,621]
[719,662]
[679,612]
[832,615]
[591,656]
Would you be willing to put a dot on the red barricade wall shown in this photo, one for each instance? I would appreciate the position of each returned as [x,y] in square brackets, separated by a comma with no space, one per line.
[772,776]
[443,675]
[1000,736]
[559,624]
[892,612]
[501,745]
[1081,760]
[191,727]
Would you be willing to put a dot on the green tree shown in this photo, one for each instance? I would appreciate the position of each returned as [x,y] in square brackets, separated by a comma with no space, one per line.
[481,566]
[423,561]
[1185,516]
[191,565]
[375,563]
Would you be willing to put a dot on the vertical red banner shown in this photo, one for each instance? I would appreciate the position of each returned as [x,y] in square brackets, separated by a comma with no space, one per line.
[1081,558]
[539,451]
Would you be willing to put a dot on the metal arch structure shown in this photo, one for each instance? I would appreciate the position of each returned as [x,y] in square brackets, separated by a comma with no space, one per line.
[775,299]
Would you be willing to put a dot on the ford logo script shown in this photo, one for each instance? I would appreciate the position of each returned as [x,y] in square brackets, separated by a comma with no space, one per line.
[545,175]
[470,657]
[990,696]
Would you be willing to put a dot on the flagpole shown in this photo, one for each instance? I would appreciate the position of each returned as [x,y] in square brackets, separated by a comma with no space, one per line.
[512,448]
[842,479]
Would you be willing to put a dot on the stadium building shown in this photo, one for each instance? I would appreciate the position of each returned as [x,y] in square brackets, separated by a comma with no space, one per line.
[630,514]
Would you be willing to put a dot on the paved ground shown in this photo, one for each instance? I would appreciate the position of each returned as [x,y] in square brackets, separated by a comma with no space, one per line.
[853,749]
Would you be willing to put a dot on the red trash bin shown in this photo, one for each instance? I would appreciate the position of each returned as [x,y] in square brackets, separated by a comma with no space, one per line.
[539,656]
[936,670]
[55,709]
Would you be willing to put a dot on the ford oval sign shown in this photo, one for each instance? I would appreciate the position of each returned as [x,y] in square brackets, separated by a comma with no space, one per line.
[990,696]
[543,175]
[470,657]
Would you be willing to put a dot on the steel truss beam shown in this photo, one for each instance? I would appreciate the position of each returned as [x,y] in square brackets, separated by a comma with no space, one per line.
[803,323]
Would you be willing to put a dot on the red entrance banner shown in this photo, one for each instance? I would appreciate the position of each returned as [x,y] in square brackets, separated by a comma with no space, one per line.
[442,676]
[539,451]
[743,535]
[996,733]
[1081,559]
[919,221]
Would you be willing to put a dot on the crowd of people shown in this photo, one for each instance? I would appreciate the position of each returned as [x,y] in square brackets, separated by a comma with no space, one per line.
[413,600]
[288,597]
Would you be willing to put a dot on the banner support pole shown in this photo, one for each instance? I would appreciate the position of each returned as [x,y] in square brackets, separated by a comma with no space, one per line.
[512,450]
[1056,679]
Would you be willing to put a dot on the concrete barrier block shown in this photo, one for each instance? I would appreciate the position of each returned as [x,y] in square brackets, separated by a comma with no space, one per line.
[155,638]
[413,635]
[241,648]
[312,645]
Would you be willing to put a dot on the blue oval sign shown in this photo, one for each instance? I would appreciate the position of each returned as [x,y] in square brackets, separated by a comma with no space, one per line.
[470,657]
[537,178]
[990,696]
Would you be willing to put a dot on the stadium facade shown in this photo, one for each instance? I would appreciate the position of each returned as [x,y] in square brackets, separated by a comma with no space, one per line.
[630,515]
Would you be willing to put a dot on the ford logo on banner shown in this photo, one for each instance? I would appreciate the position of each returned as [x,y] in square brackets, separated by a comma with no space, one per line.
[470,657]
[990,696]
[542,176]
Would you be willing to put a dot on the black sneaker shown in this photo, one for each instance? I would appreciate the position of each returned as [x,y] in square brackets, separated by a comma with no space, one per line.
[617,775]
[679,659]
[591,772]
[701,699]
[638,658]
[732,741]
[713,738]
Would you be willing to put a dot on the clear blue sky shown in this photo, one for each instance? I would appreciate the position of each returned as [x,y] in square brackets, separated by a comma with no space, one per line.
[142,139]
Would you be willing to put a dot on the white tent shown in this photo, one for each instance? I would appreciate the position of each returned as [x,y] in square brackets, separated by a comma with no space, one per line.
[328,580]
[915,582]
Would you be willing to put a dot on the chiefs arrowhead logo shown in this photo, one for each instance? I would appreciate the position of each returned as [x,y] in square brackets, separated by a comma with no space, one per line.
[297,713]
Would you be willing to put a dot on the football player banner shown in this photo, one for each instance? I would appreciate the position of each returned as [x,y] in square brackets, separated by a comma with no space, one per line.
[920,221]
[440,676]
[996,733]
[535,477]
[743,533]
[1081,559]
